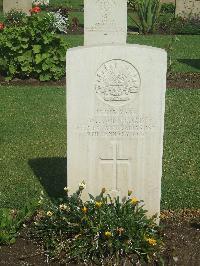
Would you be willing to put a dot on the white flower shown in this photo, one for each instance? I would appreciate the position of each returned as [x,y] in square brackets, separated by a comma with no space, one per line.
[63,207]
[40,2]
[82,185]
[66,189]
[60,22]
[49,213]
[40,202]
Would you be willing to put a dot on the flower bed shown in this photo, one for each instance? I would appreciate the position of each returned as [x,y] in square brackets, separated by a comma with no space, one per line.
[29,46]
[100,231]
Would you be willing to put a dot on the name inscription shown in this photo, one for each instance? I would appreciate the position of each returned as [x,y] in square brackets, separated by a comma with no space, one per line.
[118,124]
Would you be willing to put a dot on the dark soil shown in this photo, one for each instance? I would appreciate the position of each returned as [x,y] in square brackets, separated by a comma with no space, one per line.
[183,80]
[181,233]
[174,80]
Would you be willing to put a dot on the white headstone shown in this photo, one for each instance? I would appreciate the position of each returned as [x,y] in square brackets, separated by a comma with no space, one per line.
[20,5]
[105,22]
[115,108]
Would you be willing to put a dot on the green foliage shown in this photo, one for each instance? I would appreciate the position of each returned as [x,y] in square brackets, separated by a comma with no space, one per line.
[186,25]
[133,4]
[168,8]
[67,3]
[170,49]
[148,12]
[1,5]
[32,50]
[15,18]
[169,24]
[11,221]
[100,231]
[165,23]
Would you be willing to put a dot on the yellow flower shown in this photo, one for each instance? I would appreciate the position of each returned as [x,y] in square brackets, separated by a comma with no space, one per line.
[98,204]
[108,234]
[134,200]
[84,209]
[63,207]
[151,241]
[49,213]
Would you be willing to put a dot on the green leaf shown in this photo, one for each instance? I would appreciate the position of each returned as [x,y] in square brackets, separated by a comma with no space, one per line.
[12,69]
[36,49]
[9,78]
[13,240]
[45,77]
[38,58]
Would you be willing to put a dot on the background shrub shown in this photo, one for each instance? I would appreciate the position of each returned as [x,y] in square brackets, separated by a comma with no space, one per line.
[168,8]
[32,50]
[15,18]
[146,14]
[169,24]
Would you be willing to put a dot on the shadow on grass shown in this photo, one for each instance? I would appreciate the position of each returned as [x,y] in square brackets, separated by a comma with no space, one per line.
[133,29]
[191,62]
[52,173]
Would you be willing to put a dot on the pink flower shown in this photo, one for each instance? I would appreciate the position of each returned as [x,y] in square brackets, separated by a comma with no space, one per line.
[2,26]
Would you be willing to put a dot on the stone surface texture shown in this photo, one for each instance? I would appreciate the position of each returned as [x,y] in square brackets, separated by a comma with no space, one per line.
[21,5]
[105,22]
[115,108]
[188,8]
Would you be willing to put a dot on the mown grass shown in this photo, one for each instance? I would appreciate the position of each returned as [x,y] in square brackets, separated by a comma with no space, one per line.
[33,140]
[33,146]
[185,52]
[181,171]
[67,3]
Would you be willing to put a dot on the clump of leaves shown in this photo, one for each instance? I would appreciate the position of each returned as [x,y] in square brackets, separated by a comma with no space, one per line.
[168,8]
[101,231]
[32,50]
[170,49]
[11,221]
[146,14]
[15,18]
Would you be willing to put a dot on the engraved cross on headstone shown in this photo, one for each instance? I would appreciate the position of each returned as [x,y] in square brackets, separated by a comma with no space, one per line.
[115,161]
[105,22]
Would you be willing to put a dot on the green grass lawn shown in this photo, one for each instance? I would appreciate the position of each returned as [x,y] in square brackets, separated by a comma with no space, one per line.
[33,132]
[185,53]
[67,3]
[33,146]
